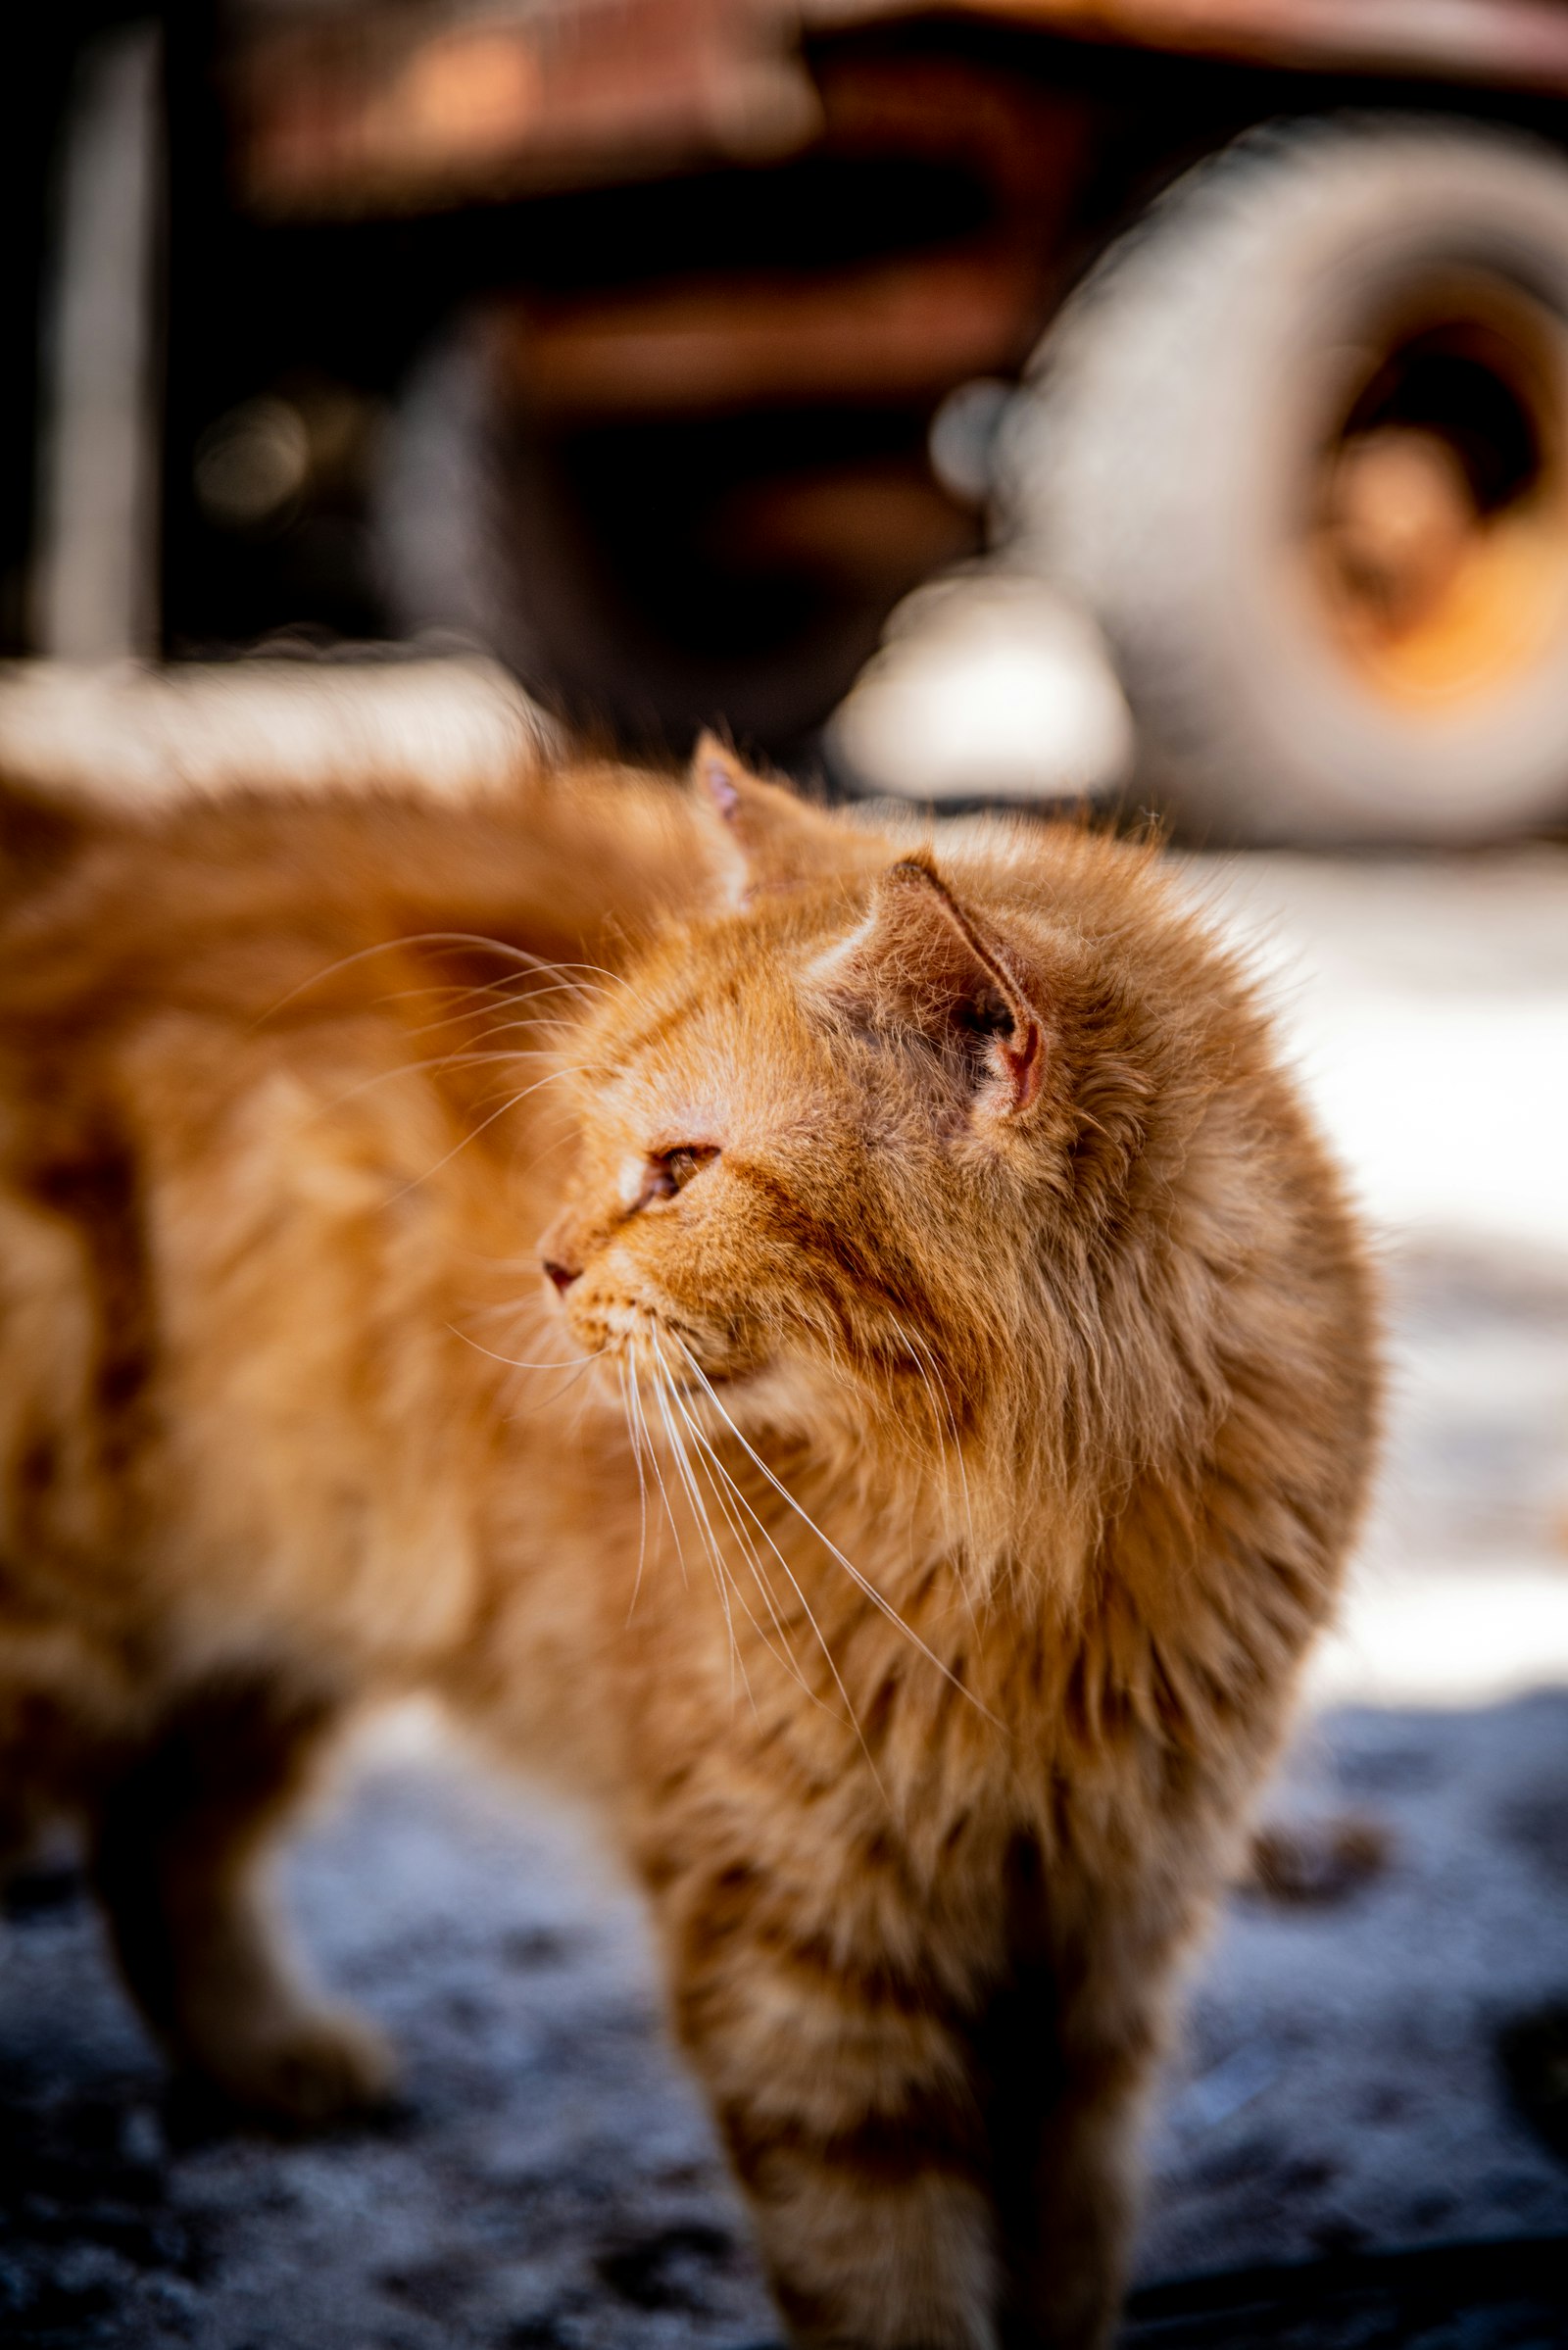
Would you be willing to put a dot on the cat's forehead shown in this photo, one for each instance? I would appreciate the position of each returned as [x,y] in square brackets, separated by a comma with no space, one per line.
[716,1040]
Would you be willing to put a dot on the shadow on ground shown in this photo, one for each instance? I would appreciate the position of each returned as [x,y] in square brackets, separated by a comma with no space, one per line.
[549,2184]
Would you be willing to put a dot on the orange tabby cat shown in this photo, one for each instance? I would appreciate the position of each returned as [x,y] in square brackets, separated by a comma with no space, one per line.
[962,1406]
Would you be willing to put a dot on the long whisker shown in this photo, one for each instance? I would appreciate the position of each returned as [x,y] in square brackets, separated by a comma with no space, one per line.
[512,1102]
[439,1060]
[514,1363]
[806,1605]
[861,1583]
[477,1056]
[669,1397]
[722,1485]
[659,1474]
[512,1308]
[627,1369]
[545,1402]
[430,938]
[763,1530]
[511,999]
[548,1150]
[705,1523]
[577,1367]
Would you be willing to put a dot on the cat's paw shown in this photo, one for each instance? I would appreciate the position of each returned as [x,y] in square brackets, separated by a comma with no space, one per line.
[308,2070]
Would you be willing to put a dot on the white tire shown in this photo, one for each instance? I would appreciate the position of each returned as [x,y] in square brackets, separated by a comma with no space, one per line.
[1164,465]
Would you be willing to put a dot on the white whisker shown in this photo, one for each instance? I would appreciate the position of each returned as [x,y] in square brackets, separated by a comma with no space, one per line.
[861,1583]
[722,1485]
[722,1581]
[512,1102]
[659,1474]
[762,1528]
[514,1363]
[430,938]
[628,1370]
[514,995]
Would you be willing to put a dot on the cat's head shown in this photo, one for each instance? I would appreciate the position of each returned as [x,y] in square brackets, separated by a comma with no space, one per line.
[834,1132]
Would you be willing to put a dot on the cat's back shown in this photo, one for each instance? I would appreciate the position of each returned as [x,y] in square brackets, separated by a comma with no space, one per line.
[264,1071]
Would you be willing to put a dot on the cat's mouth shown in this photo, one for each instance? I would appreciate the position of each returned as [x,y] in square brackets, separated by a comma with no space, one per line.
[671,1351]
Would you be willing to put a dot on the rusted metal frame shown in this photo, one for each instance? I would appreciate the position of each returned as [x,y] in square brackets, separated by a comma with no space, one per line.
[1511,44]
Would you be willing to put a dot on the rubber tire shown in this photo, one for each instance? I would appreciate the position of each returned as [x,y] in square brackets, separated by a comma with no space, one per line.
[1154,467]
[475,542]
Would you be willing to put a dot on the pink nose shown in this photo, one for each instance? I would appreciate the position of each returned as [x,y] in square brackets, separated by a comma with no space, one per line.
[562,1275]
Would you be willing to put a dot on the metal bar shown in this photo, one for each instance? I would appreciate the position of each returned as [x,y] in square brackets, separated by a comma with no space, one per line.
[95,568]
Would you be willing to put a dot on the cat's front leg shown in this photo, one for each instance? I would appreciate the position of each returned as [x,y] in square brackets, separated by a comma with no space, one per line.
[1067,2253]
[846,2099]
[180,1853]
[1066,2144]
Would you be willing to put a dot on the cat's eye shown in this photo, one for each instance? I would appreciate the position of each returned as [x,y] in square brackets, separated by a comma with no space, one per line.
[670,1171]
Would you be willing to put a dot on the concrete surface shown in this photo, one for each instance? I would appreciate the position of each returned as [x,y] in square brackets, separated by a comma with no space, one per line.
[550,2183]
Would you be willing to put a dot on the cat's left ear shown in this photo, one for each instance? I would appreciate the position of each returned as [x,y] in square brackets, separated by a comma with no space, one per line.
[759,835]
[921,962]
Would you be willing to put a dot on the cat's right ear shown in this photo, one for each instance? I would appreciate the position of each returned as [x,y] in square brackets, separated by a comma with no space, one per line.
[760,836]
[920,963]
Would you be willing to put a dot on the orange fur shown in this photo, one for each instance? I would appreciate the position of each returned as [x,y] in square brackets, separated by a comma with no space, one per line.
[960,1406]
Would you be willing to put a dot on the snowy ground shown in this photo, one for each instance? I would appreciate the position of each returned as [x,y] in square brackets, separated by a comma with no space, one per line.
[550,2183]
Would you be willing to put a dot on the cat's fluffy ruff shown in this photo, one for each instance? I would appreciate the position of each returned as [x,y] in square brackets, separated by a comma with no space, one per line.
[999,1349]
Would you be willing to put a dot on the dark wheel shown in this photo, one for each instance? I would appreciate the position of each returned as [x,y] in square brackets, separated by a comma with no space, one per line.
[652,576]
[1300,446]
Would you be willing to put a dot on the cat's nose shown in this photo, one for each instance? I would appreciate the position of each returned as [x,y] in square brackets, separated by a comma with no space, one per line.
[562,1275]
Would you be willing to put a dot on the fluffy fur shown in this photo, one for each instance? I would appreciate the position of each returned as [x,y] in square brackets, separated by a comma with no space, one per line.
[956,1386]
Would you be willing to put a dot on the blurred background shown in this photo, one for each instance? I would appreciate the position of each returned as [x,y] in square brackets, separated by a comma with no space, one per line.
[1155,404]
[1021,397]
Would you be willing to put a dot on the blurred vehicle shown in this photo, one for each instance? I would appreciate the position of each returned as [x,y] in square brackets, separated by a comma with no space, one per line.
[664,347]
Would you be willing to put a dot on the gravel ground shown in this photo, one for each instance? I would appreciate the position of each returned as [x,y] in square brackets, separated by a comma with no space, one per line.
[1342,2100]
